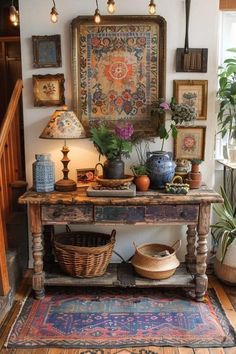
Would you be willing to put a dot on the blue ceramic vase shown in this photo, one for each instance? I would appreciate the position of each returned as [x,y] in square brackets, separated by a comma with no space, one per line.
[161,167]
[43,173]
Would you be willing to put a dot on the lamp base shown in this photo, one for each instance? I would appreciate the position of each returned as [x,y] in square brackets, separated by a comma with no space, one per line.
[65,185]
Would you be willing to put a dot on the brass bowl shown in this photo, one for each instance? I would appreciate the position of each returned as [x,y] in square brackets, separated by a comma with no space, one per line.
[114,182]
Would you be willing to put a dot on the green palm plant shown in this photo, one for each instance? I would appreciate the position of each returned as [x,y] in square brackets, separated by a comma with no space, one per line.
[224,231]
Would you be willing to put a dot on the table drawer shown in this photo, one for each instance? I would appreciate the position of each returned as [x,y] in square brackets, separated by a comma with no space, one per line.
[172,213]
[147,214]
[67,213]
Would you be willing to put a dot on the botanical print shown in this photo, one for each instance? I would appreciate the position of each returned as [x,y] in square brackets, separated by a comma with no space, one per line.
[191,96]
[49,90]
[189,143]
[193,93]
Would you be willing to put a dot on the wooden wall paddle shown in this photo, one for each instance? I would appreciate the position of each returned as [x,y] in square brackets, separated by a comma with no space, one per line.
[190,59]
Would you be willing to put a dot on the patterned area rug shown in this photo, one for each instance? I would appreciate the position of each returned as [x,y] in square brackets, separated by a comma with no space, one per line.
[120,318]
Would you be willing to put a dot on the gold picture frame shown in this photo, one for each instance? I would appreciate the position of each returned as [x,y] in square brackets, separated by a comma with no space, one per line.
[48,90]
[190,143]
[193,93]
[118,71]
[85,177]
[46,51]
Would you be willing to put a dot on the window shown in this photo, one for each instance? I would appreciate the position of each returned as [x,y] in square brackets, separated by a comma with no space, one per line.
[227,39]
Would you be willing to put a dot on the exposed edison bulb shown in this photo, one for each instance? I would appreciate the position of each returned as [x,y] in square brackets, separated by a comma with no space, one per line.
[152,7]
[13,14]
[97,17]
[16,22]
[111,6]
[54,15]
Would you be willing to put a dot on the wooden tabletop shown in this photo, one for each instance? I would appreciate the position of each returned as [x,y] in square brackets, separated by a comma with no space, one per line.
[194,196]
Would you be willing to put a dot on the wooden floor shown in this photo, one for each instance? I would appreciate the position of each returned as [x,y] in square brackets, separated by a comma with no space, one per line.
[226,294]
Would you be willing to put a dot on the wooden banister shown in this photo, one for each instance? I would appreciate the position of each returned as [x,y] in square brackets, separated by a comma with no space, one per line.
[10,171]
[10,114]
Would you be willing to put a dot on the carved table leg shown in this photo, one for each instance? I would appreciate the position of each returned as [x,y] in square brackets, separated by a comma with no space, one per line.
[36,229]
[190,257]
[201,257]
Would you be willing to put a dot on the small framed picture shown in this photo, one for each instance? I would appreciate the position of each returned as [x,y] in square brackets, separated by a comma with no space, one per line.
[193,93]
[190,143]
[46,51]
[85,176]
[48,90]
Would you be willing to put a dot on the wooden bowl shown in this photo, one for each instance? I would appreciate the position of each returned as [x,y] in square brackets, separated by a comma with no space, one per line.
[114,182]
[149,266]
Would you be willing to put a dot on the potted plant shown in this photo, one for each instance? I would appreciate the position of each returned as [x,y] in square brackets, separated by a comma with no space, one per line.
[140,170]
[194,177]
[195,164]
[113,145]
[224,238]
[160,164]
[141,179]
[226,95]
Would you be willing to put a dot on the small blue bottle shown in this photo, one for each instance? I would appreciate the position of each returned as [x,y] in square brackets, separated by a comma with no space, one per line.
[43,173]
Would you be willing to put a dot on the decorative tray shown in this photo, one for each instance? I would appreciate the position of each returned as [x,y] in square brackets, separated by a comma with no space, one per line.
[120,191]
[114,182]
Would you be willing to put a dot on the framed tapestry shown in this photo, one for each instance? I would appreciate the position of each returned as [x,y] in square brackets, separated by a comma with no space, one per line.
[119,70]
[48,90]
[190,143]
[193,93]
[46,51]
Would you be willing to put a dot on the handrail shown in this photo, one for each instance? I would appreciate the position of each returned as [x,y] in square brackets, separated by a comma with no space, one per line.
[10,170]
[10,114]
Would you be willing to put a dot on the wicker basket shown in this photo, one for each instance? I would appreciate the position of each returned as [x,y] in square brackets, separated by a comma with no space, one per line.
[84,254]
[148,266]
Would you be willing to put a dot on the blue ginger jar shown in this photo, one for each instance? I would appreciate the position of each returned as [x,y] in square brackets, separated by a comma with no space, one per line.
[161,167]
[43,173]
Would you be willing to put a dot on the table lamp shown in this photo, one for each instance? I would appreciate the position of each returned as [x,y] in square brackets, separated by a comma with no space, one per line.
[64,125]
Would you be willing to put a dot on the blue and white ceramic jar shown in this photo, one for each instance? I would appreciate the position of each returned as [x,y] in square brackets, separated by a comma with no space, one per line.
[43,173]
[161,167]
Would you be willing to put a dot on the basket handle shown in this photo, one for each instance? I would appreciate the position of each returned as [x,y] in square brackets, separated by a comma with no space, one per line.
[176,246]
[113,235]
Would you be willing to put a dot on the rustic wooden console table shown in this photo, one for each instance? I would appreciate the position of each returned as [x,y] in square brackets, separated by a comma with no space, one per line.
[152,207]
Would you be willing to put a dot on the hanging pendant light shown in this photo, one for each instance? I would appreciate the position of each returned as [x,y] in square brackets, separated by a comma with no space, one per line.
[111,6]
[97,16]
[152,7]
[17,21]
[54,14]
[13,13]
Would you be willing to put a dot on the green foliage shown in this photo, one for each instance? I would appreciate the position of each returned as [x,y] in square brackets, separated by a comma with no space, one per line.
[109,144]
[140,170]
[227,94]
[196,161]
[224,231]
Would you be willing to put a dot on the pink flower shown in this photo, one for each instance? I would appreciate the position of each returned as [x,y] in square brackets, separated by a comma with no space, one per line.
[124,132]
[165,106]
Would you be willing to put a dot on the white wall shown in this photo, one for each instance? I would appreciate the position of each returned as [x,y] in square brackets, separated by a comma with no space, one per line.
[34,16]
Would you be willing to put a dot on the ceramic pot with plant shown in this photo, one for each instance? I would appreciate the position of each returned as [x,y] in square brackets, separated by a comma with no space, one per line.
[141,178]
[224,240]
[194,177]
[227,98]
[113,145]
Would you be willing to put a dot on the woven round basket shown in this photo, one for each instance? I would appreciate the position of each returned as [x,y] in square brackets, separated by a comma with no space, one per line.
[110,182]
[148,265]
[83,253]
